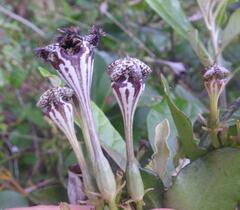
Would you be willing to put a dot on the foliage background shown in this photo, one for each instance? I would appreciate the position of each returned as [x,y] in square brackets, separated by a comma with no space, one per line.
[34,157]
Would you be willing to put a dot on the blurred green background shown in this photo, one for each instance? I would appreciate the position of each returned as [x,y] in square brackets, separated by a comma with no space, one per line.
[34,157]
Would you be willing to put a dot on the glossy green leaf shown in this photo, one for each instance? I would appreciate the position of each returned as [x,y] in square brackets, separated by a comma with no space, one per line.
[10,199]
[232,29]
[152,198]
[209,183]
[184,128]
[172,13]
[110,139]
[161,148]
[189,105]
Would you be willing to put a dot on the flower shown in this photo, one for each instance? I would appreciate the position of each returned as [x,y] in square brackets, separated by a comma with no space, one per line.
[55,103]
[215,79]
[72,56]
[127,76]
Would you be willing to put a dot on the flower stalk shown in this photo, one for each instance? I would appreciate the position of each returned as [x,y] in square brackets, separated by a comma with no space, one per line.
[127,76]
[215,80]
[72,56]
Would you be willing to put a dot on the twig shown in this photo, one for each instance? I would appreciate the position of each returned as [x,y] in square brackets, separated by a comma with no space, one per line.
[40,185]
[22,20]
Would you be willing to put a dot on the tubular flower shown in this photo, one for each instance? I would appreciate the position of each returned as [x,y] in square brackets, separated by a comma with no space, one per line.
[215,80]
[72,57]
[56,105]
[127,76]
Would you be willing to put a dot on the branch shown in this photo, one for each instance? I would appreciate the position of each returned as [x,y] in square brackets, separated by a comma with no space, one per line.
[22,20]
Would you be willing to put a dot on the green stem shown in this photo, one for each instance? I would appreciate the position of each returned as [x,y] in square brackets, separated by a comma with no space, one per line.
[112,205]
[214,121]
[100,205]
[139,205]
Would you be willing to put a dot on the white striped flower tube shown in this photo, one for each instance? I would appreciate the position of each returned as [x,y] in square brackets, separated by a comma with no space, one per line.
[127,76]
[55,103]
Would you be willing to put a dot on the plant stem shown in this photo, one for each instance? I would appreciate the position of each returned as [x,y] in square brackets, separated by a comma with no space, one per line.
[139,205]
[214,121]
[100,205]
[112,205]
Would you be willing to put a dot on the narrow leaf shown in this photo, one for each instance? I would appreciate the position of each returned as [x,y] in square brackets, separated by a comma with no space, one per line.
[172,13]
[199,48]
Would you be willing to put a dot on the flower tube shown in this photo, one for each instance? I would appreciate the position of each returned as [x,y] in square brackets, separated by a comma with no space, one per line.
[127,76]
[56,106]
[72,57]
[215,80]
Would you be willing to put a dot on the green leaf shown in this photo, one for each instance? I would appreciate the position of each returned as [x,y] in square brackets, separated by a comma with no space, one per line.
[161,148]
[154,197]
[44,72]
[209,183]
[222,14]
[232,29]
[184,128]
[172,13]
[54,79]
[199,48]
[110,139]
[101,85]
[49,195]
[190,98]
[10,199]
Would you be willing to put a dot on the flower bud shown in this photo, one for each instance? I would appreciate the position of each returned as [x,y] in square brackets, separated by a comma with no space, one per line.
[127,76]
